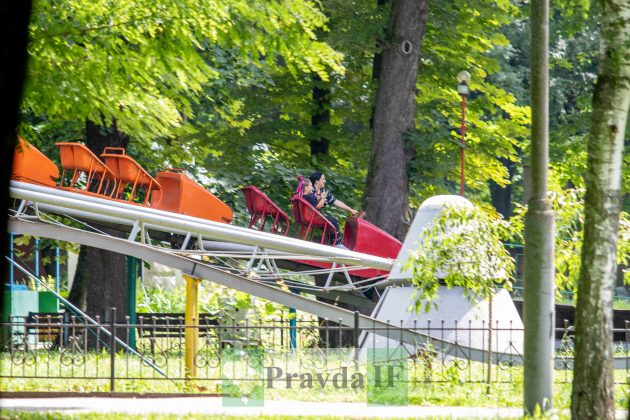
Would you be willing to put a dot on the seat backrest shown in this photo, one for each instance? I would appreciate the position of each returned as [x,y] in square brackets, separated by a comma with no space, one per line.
[362,236]
[178,193]
[307,214]
[125,167]
[76,155]
[257,201]
[295,210]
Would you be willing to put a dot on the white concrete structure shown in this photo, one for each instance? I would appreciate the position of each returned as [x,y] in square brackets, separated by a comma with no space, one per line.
[454,308]
[427,212]
[457,319]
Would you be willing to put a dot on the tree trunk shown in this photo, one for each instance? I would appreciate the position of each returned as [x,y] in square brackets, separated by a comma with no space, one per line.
[387,188]
[376,61]
[320,118]
[101,279]
[14,17]
[502,196]
[593,383]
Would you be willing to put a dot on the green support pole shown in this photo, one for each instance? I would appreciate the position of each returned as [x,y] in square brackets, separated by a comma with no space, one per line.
[132,275]
[538,302]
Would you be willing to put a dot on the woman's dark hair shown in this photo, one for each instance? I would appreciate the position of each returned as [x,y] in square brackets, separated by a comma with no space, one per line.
[315,176]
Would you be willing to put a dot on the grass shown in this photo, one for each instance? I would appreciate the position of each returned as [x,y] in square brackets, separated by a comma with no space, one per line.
[27,415]
[432,382]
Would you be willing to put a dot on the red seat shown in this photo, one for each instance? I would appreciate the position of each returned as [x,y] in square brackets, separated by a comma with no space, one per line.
[128,171]
[308,217]
[260,207]
[76,157]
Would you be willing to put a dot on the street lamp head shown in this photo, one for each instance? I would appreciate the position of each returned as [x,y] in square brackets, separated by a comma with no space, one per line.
[463,77]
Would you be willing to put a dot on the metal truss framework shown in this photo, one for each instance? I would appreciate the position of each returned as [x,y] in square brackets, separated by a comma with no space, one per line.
[197,268]
[243,251]
[141,220]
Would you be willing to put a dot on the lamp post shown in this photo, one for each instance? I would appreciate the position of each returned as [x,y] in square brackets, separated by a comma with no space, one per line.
[463,77]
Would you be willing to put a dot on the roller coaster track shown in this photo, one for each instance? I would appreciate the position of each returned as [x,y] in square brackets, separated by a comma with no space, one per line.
[141,220]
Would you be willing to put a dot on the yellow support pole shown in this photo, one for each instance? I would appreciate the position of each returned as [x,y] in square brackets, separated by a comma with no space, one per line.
[192,323]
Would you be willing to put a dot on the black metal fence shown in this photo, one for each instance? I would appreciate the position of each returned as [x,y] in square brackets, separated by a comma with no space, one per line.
[63,352]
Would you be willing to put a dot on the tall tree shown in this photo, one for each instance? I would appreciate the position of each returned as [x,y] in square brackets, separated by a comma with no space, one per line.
[376,61]
[593,381]
[144,63]
[387,187]
[275,127]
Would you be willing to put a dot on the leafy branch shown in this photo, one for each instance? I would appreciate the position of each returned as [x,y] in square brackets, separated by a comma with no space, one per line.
[462,248]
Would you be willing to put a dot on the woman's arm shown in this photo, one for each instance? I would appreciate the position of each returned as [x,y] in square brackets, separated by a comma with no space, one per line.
[343,206]
[315,201]
[321,199]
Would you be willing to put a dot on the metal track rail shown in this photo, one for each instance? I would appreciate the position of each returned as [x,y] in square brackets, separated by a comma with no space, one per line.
[141,219]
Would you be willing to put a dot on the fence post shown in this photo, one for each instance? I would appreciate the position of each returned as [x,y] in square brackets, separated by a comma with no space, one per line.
[37,262]
[57,268]
[355,335]
[292,329]
[489,379]
[112,350]
[132,273]
[11,250]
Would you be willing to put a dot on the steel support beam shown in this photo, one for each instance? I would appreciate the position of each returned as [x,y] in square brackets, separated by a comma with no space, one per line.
[192,325]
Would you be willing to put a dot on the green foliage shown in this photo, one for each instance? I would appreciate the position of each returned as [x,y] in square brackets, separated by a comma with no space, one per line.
[463,36]
[569,211]
[160,300]
[568,206]
[225,90]
[464,248]
[213,299]
[186,80]
[274,128]
[143,63]
[574,46]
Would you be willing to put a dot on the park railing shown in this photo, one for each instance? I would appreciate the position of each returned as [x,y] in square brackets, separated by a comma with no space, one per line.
[63,353]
